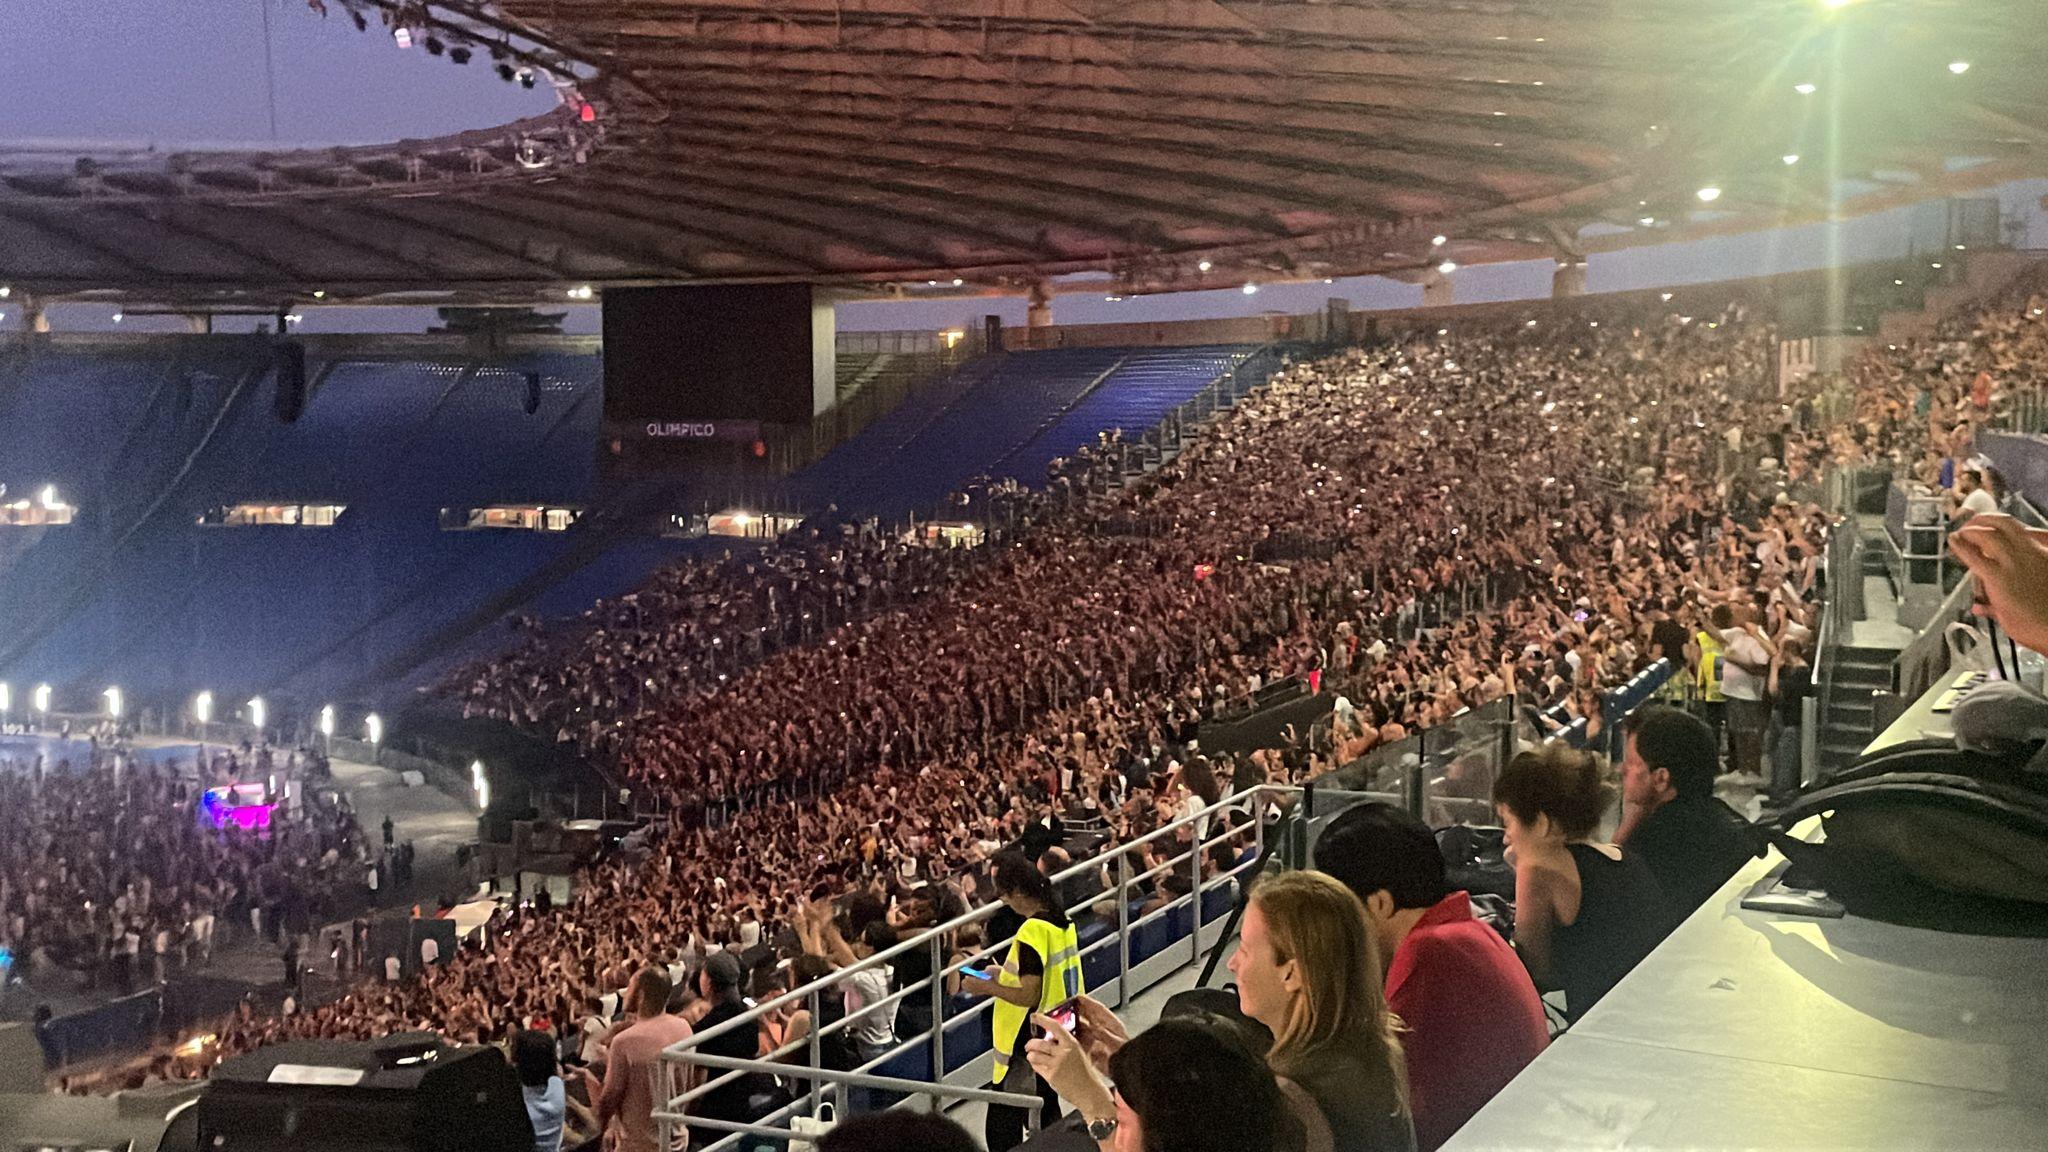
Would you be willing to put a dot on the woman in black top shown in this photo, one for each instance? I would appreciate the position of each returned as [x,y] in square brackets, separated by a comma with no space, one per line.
[1791,682]
[1585,911]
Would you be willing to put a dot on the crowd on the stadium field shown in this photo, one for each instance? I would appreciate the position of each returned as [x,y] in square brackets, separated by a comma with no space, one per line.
[855,730]
[109,871]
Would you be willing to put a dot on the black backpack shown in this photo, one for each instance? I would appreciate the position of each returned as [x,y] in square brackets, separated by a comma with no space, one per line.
[1929,836]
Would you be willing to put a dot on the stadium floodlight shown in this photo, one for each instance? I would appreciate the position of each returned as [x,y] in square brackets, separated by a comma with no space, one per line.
[327,721]
[1709,194]
[373,728]
[113,696]
[42,699]
[256,712]
[202,707]
[6,698]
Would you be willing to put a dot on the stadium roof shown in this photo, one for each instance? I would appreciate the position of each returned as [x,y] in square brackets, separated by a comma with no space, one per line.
[885,143]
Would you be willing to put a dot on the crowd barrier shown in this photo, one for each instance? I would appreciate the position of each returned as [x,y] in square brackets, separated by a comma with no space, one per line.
[1129,941]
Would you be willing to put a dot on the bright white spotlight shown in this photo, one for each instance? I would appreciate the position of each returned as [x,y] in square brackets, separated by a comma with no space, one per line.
[957,281]
[1790,158]
[1806,89]
[1203,266]
[49,498]
[1439,241]
[41,699]
[202,707]
[6,697]
[327,721]
[1666,297]
[1647,221]
[1250,289]
[113,696]
[1447,267]
[1959,67]
[256,712]
[1709,194]
[373,728]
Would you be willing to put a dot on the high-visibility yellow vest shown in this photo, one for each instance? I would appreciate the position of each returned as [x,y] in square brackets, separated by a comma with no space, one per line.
[1710,666]
[1061,950]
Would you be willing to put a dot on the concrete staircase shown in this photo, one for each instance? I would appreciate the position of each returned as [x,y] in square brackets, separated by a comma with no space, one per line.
[1851,711]
[1864,660]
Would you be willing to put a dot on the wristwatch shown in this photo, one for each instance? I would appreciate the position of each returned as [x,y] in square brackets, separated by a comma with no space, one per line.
[1103,1129]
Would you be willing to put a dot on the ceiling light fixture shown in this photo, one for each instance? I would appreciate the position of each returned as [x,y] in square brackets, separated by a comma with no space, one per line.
[1709,194]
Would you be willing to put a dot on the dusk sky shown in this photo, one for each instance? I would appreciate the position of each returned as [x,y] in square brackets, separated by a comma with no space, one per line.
[178,72]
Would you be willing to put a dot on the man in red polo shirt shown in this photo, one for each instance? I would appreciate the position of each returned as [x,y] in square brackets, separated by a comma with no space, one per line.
[1473,1018]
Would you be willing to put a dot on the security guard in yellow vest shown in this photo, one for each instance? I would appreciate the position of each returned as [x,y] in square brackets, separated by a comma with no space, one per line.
[1707,679]
[1042,971]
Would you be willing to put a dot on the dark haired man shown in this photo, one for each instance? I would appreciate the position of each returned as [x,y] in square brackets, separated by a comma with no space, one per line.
[1670,817]
[1473,1018]
[719,982]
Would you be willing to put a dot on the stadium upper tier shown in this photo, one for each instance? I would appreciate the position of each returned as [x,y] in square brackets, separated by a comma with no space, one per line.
[908,142]
[148,440]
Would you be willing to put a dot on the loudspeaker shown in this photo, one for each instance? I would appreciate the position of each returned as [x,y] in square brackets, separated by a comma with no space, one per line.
[532,393]
[404,1093]
[290,400]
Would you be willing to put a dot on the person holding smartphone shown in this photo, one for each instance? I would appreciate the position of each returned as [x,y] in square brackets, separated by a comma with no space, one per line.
[1042,972]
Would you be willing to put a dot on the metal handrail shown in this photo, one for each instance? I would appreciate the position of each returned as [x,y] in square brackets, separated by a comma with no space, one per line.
[684,1052]
[669,1117]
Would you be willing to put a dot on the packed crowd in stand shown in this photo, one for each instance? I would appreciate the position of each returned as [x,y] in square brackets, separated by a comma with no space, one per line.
[970,694]
[846,722]
[1918,404]
[107,870]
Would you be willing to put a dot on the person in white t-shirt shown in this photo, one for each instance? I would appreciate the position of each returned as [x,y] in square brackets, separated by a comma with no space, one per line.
[1970,497]
[1746,661]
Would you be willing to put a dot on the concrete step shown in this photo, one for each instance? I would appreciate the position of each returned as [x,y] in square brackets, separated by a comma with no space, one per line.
[1862,679]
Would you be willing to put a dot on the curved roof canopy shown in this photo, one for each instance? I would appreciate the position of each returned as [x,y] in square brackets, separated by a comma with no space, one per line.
[879,142]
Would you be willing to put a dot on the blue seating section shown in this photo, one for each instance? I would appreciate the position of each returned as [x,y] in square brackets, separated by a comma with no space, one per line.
[162,606]
[1008,415]
[1138,395]
[144,437]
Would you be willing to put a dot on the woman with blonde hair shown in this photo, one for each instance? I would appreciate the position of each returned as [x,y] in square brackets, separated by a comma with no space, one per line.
[1308,969]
